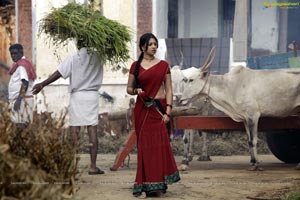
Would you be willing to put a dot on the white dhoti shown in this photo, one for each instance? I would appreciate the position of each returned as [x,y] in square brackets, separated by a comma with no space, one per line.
[84,108]
[25,113]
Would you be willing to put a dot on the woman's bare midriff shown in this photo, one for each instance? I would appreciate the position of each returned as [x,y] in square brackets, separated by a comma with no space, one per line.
[161,93]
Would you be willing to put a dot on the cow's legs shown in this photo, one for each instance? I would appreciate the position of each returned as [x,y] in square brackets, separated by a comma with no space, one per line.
[191,142]
[251,126]
[204,153]
[187,146]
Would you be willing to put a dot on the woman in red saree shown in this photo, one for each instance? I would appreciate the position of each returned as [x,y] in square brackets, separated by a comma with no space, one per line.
[150,79]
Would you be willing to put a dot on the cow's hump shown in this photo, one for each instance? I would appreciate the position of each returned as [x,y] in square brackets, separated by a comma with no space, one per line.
[237,69]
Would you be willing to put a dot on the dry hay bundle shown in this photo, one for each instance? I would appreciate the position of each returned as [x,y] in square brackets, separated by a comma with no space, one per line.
[37,162]
[20,179]
[108,38]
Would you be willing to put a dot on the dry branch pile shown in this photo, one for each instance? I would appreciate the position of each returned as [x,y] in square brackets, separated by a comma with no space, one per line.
[37,162]
[108,38]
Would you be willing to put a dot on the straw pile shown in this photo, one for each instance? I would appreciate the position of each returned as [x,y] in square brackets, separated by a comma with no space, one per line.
[106,37]
[37,162]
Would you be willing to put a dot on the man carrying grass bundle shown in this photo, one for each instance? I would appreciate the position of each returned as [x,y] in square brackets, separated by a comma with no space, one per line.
[100,41]
[19,87]
[85,72]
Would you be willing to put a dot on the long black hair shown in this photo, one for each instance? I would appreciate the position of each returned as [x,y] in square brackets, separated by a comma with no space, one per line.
[144,39]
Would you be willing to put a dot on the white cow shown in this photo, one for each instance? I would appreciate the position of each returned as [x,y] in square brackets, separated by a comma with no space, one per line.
[245,95]
[177,84]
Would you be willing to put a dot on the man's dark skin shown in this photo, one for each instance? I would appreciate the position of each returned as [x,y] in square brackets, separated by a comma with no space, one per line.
[16,55]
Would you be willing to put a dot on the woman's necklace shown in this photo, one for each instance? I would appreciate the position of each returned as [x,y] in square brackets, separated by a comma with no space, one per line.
[149,59]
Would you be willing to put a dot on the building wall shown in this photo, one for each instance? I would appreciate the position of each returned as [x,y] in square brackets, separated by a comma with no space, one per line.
[48,56]
[25,27]
[196,18]
[200,19]
[7,33]
[264,27]
[144,17]
[123,13]
[160,18]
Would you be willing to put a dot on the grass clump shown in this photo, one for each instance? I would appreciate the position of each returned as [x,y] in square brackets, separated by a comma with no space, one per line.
[294,193]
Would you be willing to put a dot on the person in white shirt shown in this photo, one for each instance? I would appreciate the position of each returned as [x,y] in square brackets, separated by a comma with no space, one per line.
[85,73]
[19,88]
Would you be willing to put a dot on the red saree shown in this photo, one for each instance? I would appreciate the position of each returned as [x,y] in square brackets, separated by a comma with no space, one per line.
[156,166]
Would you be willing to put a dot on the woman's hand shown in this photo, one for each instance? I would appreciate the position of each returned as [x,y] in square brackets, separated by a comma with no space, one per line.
[141,93]
[166,118]
[138,91]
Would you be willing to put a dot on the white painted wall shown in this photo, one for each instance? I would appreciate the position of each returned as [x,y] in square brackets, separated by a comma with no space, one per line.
[198,18]
[160,18]
[264,26]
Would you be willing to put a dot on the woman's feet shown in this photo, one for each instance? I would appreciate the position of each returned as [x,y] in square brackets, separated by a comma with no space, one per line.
[141,195]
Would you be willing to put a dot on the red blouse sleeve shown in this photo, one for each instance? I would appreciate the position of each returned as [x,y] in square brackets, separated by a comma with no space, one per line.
[168,70]
[168,67]
[132,68]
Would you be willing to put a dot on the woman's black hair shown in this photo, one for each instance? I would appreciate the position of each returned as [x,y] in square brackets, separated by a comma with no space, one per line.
[144,39]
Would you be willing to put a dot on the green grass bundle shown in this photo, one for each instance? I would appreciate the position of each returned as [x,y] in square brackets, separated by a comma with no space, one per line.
[108,38]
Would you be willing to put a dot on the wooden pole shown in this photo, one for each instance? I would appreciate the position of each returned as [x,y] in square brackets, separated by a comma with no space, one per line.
[176,111]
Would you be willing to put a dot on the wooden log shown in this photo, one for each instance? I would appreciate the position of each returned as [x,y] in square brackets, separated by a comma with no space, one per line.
[176,111]
[185,110]
[117,115]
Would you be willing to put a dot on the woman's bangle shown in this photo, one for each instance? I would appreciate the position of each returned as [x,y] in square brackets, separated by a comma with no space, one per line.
[169,105]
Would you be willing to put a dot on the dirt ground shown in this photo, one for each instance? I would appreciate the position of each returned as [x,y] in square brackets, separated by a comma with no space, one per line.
[223,178]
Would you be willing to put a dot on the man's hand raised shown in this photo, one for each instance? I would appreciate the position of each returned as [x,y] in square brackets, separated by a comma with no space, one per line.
[37,88]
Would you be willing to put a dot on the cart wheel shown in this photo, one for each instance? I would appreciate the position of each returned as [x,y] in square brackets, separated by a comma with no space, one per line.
[285,145]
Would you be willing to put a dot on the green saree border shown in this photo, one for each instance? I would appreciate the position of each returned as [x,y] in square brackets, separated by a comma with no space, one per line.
[156,187]
[172,178]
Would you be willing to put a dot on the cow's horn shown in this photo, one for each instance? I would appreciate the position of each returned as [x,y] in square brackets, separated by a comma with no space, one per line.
[209,59]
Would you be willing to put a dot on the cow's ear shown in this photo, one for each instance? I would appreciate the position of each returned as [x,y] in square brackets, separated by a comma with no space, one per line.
[204,74]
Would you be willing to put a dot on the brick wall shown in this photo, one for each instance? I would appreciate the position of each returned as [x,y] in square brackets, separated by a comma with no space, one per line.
[7,37]
[25,26]
[7,32]
[144,18]
[4,78]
